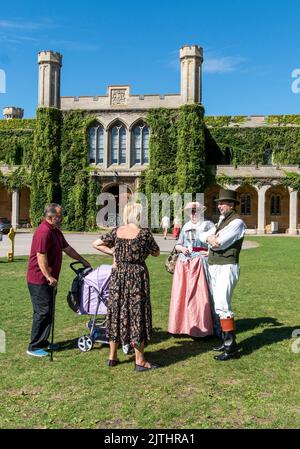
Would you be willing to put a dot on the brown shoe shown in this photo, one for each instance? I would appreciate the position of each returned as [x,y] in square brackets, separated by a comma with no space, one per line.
[112,362]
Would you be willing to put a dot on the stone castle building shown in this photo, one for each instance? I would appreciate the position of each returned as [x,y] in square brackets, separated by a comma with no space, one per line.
[119,146]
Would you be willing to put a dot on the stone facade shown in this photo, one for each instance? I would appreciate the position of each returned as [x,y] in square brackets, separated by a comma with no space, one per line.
[265,206]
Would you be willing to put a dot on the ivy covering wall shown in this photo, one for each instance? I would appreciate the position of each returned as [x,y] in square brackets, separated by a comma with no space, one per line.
[279,141]
[159,177]
[45,168]
[17,179]
[246,146]
[52,154]
[190,159]
[16,141]
[79,189]
[177,153]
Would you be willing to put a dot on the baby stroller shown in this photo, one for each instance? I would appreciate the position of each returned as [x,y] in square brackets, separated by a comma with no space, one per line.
[89,296]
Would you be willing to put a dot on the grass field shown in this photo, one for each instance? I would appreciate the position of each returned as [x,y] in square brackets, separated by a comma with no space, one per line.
[191,390]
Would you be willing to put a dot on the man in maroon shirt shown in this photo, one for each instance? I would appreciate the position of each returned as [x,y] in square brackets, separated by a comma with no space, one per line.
[43,273]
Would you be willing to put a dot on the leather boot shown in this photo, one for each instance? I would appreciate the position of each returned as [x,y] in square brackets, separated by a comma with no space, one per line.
[220,347]
[217,326]
[230,347]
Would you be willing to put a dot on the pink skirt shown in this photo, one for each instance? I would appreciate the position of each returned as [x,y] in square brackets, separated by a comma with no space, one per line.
[190,310]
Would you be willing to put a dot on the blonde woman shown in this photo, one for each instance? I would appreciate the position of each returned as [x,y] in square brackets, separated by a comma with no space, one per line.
[129,319]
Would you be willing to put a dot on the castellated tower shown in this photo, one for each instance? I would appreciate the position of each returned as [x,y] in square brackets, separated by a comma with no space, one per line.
[10,112]
[191,58]
[50,63]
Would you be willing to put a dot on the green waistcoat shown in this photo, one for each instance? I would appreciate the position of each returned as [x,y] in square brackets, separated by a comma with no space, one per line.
[230,254]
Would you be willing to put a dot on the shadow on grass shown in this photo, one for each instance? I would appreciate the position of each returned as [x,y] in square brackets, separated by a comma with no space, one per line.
[266,338]
[67,345]
[273,333]
[252,323]
[183,348]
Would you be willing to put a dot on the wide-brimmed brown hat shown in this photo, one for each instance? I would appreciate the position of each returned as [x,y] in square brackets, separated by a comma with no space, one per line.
[194,205]
[228,195]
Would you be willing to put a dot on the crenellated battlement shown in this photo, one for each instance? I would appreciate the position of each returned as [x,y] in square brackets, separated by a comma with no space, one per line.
[191,51]
[49,56]
[10,112]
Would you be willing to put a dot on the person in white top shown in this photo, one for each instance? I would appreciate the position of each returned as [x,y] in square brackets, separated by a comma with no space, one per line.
[190,306]
[177,227]
[225,242]
[165,224]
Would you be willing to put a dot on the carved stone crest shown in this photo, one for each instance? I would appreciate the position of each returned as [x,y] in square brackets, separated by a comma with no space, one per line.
[118,96]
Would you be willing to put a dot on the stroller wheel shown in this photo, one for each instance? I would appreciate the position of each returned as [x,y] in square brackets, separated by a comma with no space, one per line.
[85,343]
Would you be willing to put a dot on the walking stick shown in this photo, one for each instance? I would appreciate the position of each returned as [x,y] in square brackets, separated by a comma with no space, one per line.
[52,322]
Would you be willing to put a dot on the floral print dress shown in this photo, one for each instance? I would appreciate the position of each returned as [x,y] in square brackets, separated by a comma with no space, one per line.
[129,319]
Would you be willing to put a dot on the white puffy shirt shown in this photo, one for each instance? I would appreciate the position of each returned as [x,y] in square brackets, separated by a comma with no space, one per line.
[232,232]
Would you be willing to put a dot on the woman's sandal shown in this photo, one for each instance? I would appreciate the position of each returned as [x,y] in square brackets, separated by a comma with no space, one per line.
[140,368]
[112,362]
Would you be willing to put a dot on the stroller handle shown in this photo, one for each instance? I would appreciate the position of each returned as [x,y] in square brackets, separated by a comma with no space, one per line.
[75,263]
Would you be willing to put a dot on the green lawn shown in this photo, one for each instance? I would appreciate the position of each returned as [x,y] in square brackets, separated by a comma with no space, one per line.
[191,390]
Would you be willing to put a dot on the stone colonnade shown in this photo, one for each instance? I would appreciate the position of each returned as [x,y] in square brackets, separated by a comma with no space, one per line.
[15,206]
[261,210]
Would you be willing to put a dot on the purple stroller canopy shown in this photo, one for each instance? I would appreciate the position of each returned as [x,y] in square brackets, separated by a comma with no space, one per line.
[95,286]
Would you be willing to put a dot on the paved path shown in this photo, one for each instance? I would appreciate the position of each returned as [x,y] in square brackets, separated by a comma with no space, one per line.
[83,243]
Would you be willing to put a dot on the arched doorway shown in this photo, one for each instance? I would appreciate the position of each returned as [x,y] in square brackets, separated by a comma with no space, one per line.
[119,195]
[210,194]
[5,203]
[24,220]
[247,208]
[277,209]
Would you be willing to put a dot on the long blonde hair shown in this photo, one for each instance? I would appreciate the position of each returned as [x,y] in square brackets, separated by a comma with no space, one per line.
[132,214]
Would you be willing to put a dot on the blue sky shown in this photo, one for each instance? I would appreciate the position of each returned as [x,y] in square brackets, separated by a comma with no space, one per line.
[250,49]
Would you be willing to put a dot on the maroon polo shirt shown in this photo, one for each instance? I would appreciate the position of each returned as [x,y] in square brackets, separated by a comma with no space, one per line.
[46,240]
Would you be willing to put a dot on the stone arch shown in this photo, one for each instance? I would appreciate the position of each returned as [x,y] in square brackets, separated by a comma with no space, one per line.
[136,122]
[95,122]
[248,206]
[111,185]
[24,199]
[280,216]
[5,203]
[115,121]
[121,192]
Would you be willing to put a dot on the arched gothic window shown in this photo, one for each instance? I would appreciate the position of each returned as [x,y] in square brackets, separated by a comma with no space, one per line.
[268,157]
[118,144]
[96,145]
[245,204]
[141,144]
